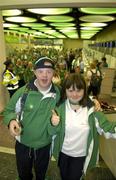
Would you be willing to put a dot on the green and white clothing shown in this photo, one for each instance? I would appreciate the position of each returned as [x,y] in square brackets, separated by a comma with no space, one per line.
[36,114]
[89,125]
[75,130]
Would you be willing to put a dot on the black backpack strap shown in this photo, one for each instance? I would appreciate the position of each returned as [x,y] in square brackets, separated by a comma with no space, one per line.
[23,100]
[93,72]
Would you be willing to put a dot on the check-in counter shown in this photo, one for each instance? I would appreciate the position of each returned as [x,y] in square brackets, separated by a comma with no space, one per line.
[108,148]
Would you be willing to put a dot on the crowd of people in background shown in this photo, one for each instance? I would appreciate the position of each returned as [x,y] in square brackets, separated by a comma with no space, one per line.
[66,61]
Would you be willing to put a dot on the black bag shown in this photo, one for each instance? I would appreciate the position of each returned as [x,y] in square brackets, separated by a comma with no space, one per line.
[95,79]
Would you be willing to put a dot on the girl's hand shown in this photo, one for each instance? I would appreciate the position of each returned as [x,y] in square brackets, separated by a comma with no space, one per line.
[55,119]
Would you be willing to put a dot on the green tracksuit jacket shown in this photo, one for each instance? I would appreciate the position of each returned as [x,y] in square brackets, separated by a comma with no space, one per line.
[98,125]
[36,115]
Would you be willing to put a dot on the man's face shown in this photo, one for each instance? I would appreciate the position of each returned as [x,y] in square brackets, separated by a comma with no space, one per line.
[44,77]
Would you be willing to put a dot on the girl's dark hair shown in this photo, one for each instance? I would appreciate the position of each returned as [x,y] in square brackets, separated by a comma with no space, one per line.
[74,80]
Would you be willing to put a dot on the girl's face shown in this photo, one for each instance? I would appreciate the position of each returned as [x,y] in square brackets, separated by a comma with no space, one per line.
[74,95]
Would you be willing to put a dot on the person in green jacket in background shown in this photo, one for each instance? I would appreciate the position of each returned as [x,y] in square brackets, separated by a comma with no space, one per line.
[29,125]
[76,128]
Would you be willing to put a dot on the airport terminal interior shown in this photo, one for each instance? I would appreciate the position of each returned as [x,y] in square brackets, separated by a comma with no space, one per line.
[80,30]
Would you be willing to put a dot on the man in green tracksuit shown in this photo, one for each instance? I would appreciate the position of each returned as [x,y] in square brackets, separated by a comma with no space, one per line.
[31,132]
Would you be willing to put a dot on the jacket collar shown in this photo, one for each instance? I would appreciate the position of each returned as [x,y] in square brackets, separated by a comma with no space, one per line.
[32,87]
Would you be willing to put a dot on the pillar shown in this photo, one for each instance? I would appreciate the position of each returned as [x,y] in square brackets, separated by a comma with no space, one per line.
[3,91]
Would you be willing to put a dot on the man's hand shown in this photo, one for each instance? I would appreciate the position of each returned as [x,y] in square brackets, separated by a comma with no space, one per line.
[55,119]
[15,128]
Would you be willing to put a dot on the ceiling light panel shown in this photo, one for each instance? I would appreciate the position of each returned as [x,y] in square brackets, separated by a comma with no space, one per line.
[6,25]
[88,31]
[62,24]
[94,24]
[43,29]
[85,36]
[20,19]
[60,36]
[11,12]
[38,33]
[96,18]
[19,29]
[98,10]
[57,18]
[48,31]
[59,22]
[73,36]
[65,28]
[50,11]
[68,30]
[35,25]
[91,28]
[55,34]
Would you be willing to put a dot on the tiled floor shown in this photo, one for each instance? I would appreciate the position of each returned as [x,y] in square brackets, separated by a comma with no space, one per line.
[7,157]
[7,167]
[6,140]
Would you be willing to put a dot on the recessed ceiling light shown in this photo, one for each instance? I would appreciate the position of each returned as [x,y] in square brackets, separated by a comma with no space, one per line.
[57,18]
[62,21]
[86,36]
[48,31]
[19,28]
[94,24]
[91,28]
[43,29]
[72,36]
[62,24]
[20,19]
[36,25]
[98,10]
[66,28]
[89,31]
[50,11]
[38,33]
[55,33]
[96,18]
[60,36]
[11,12]
[6,25]
[71,33]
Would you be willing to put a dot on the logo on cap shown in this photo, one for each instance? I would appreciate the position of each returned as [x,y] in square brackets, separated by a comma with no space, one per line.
[44,62]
